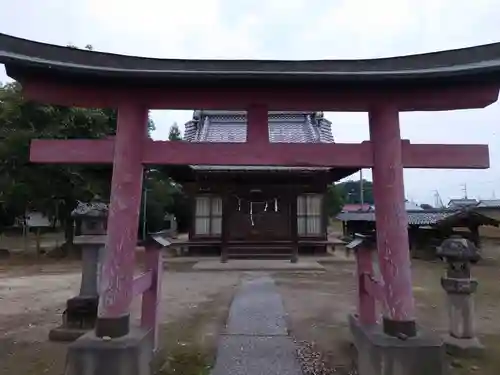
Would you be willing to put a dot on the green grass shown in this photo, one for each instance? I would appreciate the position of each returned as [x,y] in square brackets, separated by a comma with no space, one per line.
[190,345]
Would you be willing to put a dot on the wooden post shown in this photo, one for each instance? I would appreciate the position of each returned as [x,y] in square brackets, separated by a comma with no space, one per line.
[150,309]
[123,220]
[392,221]
[293,226]
[366,302]
[224,227]
[257,125]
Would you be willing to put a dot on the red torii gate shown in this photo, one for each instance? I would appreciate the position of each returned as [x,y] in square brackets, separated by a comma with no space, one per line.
[382,87]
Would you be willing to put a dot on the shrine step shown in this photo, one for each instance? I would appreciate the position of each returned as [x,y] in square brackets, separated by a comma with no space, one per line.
[268,252]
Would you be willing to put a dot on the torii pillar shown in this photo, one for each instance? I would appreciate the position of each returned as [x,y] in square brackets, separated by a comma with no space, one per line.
[115,347]
[395,347]
[126,186]
[392,221]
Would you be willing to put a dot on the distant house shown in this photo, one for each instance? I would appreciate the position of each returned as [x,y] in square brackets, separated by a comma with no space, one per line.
[489,208]
[353,207]
[462,203]
[489,203]
[412,206]
[426,228]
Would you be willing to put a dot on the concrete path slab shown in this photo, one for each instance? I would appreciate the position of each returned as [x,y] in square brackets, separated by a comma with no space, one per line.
[256,355]
[257,265]
[256,340]
[257,309]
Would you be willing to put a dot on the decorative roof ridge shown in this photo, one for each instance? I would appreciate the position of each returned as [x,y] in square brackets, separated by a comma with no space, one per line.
[203,112]
[314,129]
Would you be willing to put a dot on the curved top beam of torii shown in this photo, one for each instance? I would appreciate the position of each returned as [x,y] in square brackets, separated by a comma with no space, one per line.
[454,79]
[458,65]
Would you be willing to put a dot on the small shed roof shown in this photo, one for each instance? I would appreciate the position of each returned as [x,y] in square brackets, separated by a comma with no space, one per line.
[425,217]
[489,203]
[462,202]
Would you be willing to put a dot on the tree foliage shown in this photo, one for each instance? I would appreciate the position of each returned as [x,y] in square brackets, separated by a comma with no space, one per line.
[347,192]
[174,133]
[46,188]
[350,191]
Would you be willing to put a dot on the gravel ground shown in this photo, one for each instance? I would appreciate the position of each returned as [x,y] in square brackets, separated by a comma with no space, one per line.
[32,305]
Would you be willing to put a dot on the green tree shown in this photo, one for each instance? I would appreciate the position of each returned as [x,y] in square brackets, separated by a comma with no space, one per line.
[164,196]
[334,200]
[350,191]
[174,133]
[47,188]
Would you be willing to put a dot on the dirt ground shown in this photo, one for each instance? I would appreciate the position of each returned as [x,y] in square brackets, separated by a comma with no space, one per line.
[318,303]
[195,307]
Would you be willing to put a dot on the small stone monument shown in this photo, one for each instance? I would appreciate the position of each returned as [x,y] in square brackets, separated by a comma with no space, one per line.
[460,287]
[81,311]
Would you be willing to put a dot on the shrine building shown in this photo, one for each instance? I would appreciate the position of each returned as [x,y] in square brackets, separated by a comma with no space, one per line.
[259,214]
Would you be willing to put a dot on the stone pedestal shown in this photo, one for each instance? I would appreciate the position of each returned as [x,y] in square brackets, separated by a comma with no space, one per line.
[460,288]
[461,338]
[127,355]
[81,311]
[381,354]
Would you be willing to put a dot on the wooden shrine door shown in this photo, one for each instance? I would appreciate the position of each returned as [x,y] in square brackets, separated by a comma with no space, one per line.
[259,215]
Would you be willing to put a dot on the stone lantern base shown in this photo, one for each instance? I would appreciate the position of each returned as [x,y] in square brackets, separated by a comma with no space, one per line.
[78,318]
[462,347]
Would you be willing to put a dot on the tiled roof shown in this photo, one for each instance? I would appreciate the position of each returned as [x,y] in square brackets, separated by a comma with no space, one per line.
[353,207]
[490,203]
[462,202]
[425,217]
[414,218]
[284,127]
[91,209]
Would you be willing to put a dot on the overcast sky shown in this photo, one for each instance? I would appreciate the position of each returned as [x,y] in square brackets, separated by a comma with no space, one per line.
[291,29]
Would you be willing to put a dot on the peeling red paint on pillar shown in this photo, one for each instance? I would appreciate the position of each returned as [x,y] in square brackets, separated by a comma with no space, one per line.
[126,185]
[366,302]
[391,216]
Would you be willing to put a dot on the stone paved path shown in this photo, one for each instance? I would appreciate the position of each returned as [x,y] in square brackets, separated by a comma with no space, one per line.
[256,340]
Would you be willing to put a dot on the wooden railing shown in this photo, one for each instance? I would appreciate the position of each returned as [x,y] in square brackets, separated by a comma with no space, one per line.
[148,284]
[370,289]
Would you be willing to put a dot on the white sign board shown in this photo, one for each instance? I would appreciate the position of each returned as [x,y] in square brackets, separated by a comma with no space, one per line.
[161,240]
[37,219]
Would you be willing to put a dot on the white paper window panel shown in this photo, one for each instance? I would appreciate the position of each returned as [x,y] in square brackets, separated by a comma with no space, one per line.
[301,205]
[216,226]
[313,204]
[202,225]
[216,206]
[314,225]
[202,206]
[309,204]
[301,226]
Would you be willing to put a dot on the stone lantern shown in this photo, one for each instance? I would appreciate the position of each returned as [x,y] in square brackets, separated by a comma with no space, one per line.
[460,287]
[81,311]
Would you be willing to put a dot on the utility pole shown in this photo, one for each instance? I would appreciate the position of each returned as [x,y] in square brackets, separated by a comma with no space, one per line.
[464,188]
[144,219]
[144,204]
[438,202]
[361,193]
